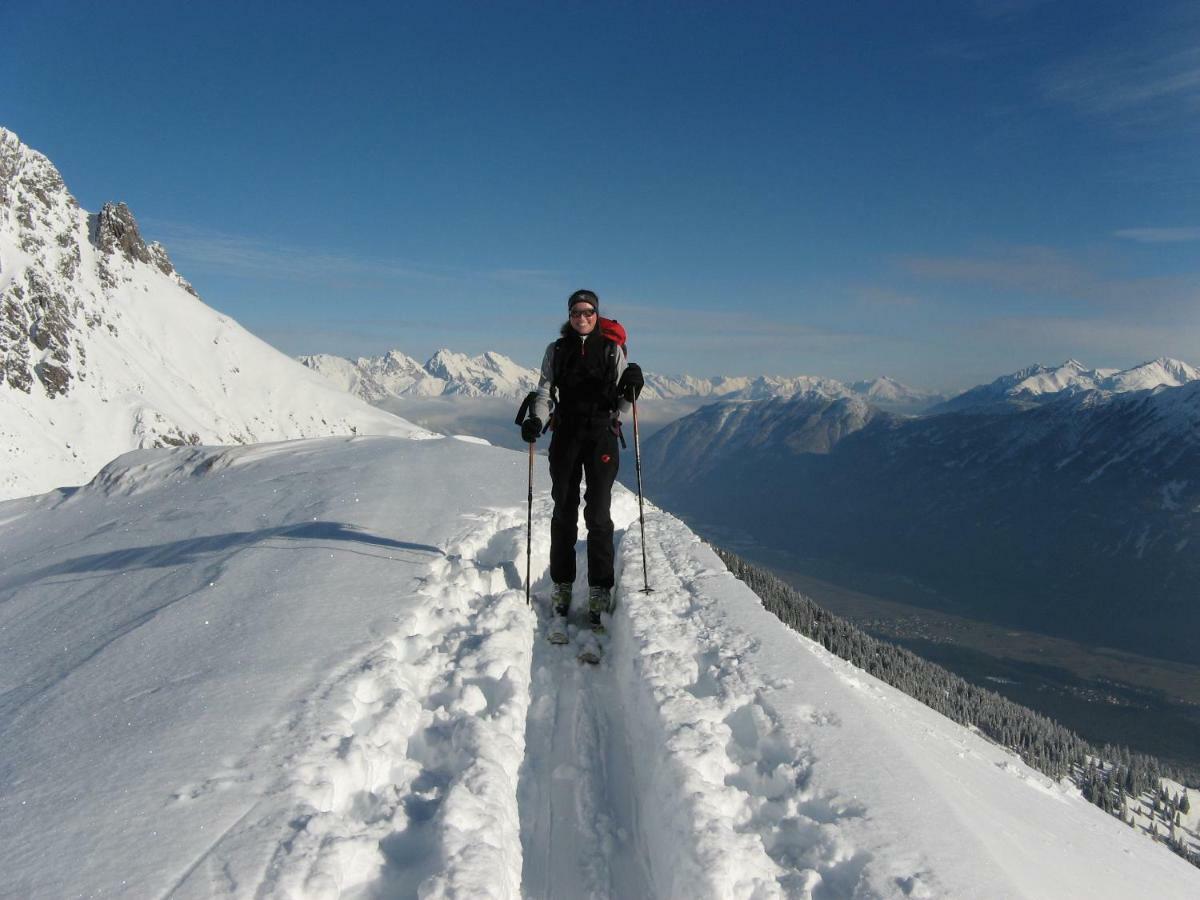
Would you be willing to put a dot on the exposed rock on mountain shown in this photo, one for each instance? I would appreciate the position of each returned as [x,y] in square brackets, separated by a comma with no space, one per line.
[105,348]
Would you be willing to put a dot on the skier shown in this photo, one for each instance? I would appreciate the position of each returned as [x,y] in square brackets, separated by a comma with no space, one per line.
[586,376]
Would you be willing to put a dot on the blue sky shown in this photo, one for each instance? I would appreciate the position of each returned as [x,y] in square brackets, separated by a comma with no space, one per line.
[941,192]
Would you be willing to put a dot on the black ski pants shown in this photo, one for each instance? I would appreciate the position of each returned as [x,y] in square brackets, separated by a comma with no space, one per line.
[576,450]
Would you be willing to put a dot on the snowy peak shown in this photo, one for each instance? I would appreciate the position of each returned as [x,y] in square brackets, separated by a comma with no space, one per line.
[30,186]
[104,348]
[1037,384]
[883,392]
[1161,372]
[396,363]
[489,375]
[892,395]
[446,373]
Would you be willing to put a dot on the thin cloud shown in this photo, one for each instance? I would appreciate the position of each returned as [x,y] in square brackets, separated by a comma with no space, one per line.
[886,298]
[1098,341]
[243,255]
[1159,235]
[736,323]
[1043,273]
[1145,77]
[1024,268]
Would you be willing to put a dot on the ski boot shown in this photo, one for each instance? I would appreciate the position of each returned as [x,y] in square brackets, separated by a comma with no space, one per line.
[561,601]
[599,601]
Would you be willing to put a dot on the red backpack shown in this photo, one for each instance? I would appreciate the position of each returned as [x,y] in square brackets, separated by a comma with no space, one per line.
[615,332]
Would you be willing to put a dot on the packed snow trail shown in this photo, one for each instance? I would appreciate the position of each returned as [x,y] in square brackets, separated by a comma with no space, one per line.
[578,813]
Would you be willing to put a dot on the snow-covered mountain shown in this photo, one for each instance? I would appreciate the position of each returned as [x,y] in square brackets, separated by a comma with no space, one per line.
[761,387]
[1038,383]
[308,670]
[445,374]
[704,442]
[889,394]
[884,393]
[104,347]
[1079,515]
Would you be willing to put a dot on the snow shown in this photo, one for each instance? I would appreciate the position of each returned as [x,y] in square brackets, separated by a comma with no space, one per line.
[262,669]
[307,669]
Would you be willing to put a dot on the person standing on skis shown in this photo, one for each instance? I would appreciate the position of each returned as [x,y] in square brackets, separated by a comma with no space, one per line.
[587,379]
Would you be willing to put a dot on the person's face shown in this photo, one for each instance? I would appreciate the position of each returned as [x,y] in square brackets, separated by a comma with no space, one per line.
[583,318]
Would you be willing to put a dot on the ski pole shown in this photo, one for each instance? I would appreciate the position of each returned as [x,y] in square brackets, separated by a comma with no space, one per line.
[637,456]
[529,528]
[525,405]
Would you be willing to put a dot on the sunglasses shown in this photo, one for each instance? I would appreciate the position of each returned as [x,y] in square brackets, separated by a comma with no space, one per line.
[582,313]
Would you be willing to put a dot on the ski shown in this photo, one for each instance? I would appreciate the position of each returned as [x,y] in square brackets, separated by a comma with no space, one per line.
[591,651]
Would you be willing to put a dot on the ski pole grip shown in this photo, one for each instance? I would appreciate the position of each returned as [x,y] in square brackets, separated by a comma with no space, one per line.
[525,404]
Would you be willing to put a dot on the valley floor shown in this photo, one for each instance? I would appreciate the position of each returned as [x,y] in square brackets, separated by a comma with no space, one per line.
[308,670]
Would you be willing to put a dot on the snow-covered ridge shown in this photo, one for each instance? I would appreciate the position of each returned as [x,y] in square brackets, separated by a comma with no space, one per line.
[104,347]
[1038,383]
[331,685]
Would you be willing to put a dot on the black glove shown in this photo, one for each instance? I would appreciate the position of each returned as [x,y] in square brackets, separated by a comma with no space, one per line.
[631,383]
[531,428]
[614,425]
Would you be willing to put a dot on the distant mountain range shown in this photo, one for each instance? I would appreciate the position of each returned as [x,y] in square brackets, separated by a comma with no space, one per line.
[1037,384]
[450,374]
[446,373]
[105,348]
[1042,504]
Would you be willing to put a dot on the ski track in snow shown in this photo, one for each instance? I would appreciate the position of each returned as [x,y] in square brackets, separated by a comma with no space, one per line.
[467,756]
[409,787]
[578,812]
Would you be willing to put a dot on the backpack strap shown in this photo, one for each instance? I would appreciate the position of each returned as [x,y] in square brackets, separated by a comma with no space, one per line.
[556,369]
